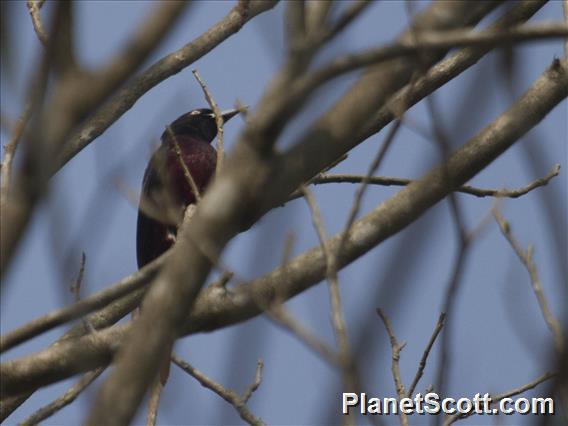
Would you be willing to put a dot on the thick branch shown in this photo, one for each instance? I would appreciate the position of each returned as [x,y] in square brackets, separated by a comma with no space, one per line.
[313,152]
[213,311]
[223,211]
[158,72]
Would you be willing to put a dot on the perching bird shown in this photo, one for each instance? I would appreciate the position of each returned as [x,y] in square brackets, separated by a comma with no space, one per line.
[166,189]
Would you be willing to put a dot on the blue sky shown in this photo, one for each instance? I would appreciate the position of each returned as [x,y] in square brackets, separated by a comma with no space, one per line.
[500,339]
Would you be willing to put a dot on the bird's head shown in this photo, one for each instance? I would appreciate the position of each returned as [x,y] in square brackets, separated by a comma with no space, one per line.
[199,123]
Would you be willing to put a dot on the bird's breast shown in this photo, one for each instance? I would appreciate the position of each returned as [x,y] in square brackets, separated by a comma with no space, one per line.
[198,159]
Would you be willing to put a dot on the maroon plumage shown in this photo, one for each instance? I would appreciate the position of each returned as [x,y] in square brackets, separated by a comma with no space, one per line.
[166,191]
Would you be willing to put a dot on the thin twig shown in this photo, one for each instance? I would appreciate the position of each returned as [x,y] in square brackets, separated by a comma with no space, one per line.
[405,97]
[466,189]
[278,313]
[128,285]
[431,40]
[232,397]
[331,256]
[256,383]
[424,358]
[218,120]
[181,160]
[76,290]
[365,182]
[154,402]
[89,304]
[67,398]
[76,285]
[308,269]
[281,317]
[340,329]
[526,257]
[165,67]
[497,141]
[348,367]
[445,148]
[496,398]
[352,12]
[34,7]
[396,348]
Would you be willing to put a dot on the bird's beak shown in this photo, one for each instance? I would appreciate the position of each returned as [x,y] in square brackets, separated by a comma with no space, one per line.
[230,113]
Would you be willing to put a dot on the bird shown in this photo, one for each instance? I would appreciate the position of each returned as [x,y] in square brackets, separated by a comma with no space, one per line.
[185,148]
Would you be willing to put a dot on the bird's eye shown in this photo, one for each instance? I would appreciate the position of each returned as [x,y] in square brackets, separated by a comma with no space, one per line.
[196,112]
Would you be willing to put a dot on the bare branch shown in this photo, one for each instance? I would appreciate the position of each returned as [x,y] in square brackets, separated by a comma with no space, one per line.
[157,24]
[58,317]
[76,285]
[339,327]
[295,26]
[232,397]
[302,162]
[425,355]
[496,398]
[73,95]
[158,72]
[154,402]
[354,10]
[67,398]
[365,182]
[396,348]
[526,258]
[29,186]
[430,41]
[281,317]
[34,7]
[317,13]
[218,120]
[278,313]
[308,269]
[256,383]
[466,189]
[9,153]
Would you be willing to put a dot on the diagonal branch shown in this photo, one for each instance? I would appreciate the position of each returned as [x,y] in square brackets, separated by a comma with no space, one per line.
[64,400]
[396,348]
[527,259]
[211,312]
[218,120]
[496,398]
[311,273]
[34,7]
[232,397]
[166,67]
[349,372]
[466,189]
[313,152]
[293,164]
[422,364]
